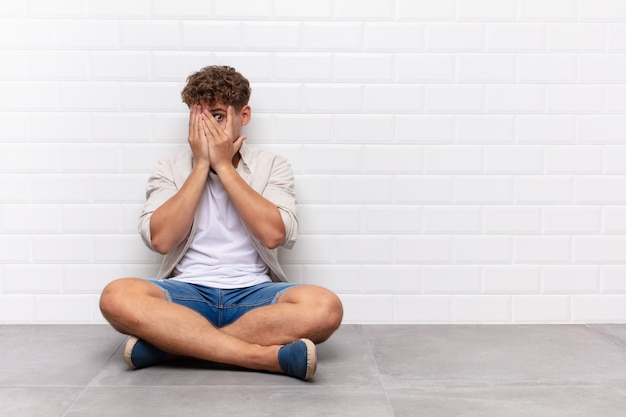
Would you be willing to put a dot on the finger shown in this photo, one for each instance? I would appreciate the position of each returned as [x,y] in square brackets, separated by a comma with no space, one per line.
[192,114]
[203,126]
[212,125]
[230,119]
[204,122]
[199,130]
[240,140]
[237,144]
[193,124]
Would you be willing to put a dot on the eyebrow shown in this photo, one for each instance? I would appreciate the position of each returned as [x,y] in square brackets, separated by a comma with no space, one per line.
[215,109]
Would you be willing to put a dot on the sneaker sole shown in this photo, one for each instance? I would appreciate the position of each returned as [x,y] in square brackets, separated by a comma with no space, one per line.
[311,359]
[128,350]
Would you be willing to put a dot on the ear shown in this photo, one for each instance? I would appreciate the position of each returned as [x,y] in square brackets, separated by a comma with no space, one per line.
[245,114]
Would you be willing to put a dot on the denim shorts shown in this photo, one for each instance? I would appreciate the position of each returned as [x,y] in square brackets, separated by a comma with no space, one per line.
[221,306]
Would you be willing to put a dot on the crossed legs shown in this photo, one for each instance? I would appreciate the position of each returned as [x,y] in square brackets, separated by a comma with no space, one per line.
[139,308]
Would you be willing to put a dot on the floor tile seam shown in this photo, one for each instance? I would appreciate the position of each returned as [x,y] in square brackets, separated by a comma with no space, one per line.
[599,332]
[78,397]
[111,356]
[454,384]
[39,386]
[363,331]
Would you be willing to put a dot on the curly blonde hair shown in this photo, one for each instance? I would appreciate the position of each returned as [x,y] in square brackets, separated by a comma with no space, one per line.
[217,84]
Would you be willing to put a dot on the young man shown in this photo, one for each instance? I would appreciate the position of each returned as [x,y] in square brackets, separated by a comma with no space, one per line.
[217,213]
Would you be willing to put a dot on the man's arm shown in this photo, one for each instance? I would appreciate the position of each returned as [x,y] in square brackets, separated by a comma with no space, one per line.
[260,216]
[170,223]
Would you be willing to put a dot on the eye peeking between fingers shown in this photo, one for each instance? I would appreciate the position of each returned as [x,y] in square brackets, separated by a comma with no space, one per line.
[219,117]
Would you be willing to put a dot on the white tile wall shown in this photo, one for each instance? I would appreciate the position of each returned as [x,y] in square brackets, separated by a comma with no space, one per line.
[456,161]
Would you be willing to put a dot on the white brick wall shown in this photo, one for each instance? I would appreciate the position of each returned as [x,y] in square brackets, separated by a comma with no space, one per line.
[456,161]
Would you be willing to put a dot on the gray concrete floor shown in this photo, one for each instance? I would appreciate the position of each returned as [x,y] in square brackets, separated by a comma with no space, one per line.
[373,370]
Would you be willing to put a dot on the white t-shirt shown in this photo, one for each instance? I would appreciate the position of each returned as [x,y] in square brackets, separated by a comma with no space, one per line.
[221,254]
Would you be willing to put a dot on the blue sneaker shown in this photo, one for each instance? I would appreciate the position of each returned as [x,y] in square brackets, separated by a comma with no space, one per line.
[139,354]
[298,359]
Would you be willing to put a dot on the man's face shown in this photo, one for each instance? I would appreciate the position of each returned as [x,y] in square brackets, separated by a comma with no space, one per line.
[219,112]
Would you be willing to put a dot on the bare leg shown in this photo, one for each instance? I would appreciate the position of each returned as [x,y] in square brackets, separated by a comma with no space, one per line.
[304,311]
[139,308]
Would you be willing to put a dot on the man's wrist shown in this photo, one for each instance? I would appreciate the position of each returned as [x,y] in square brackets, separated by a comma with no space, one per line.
[202,166]
[223,169]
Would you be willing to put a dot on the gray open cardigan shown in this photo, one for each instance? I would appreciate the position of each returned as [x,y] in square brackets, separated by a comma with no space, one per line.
[268,174]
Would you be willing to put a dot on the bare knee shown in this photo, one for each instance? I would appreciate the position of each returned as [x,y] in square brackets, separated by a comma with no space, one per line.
[119,299]
[112,296]
[322,311]
[330,314]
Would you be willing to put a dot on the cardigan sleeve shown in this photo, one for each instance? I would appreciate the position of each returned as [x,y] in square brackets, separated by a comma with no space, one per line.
[280,191]
[160,188]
